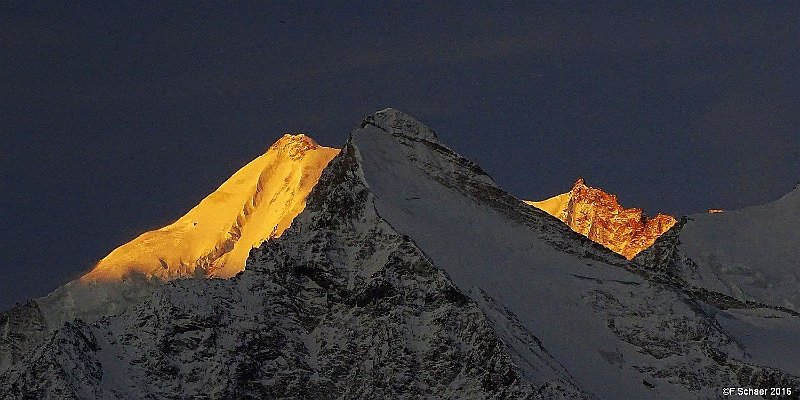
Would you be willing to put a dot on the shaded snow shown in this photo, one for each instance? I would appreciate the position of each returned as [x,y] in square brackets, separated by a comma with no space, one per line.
[418,186]
[409,274]
[750,254]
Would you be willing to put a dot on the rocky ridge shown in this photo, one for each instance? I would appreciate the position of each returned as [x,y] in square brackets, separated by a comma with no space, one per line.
[599,216]
[408,274]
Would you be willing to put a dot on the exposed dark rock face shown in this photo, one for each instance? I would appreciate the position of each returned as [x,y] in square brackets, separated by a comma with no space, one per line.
[379,289]
[340,307]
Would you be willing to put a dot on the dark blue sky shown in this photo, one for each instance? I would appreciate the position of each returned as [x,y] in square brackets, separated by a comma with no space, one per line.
[118,119]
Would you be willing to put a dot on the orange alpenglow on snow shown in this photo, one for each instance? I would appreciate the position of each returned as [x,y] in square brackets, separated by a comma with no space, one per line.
[215,237]
[598,216]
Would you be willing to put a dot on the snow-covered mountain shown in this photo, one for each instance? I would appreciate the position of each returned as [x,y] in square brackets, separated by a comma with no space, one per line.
[752,254]
[214,238]
[747,262]
[599,216]
[409,274]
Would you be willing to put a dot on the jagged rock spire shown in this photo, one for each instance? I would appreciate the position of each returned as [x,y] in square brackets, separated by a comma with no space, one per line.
[599,216]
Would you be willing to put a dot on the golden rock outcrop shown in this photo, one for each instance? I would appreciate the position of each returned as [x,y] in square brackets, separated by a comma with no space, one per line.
[599,216]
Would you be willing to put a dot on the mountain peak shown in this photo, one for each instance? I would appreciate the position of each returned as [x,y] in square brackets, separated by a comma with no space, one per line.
[412,275]
[397,122]
[598,215]
[214,238]
[294,146]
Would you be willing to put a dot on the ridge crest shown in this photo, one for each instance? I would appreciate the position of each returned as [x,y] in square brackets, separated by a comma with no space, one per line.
[399,123]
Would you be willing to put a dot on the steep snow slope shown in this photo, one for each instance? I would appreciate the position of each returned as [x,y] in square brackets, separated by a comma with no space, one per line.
[751,254]
[617,334]
[747,261]
[408,275]
[555,206]
[340,307]
[214,238]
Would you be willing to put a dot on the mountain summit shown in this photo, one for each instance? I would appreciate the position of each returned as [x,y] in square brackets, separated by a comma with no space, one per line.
[214,238]
[599,216]
[408,274]
[260,201]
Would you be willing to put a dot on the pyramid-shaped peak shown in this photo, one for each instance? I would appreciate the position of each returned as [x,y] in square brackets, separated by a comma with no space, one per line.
[257,203]
[397,122]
